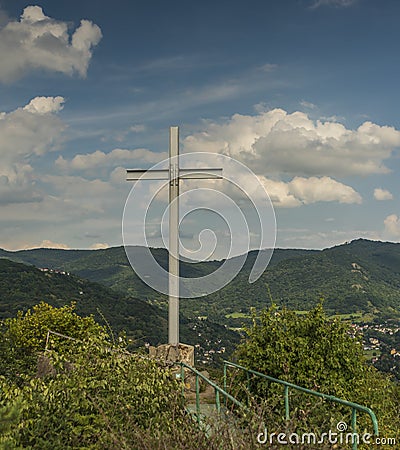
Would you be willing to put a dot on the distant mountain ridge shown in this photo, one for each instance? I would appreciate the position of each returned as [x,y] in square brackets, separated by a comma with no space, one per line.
[360,276]
[22,286]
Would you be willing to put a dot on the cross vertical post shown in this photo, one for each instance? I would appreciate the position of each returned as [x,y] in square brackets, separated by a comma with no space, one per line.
[173,300]
[173,174]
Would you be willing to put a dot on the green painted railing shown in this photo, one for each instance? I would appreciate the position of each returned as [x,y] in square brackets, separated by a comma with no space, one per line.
[218,391]
[286,385]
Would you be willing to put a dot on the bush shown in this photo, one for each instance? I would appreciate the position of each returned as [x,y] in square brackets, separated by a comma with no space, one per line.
[320,354]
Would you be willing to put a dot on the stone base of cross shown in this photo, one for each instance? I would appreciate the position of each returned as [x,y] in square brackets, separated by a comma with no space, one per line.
[169,353]
[173,174]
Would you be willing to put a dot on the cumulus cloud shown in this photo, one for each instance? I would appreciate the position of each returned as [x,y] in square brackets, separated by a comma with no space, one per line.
[276,142]
[392,226]
[382,194]
[324,189]
[40,42]
[304,191]
[279,193]
[100,159]
[17,185]
[26,133]
[45,105]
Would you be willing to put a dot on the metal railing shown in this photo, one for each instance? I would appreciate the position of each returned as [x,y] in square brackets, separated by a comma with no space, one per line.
[218,391]
[286,385]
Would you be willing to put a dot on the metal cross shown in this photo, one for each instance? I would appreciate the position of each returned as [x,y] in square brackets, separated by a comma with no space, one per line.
[174,174]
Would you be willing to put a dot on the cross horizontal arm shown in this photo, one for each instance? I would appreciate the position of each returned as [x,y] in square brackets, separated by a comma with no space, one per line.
[199,174]
[163,174]
[138,174]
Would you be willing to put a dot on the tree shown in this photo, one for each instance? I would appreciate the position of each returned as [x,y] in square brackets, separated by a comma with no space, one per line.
[320,354]
[308,350]
[98,401]
[94,395]
[23,337]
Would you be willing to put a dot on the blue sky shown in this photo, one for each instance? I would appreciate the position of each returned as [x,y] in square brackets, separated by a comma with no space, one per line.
[304,92]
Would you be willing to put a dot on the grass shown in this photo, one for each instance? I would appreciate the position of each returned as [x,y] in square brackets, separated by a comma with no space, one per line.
[353,317]
[373,353]
[238,315]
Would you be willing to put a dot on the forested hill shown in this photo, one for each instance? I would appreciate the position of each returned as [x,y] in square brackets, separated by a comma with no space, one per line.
[361,276]
[111,266]
[22,286]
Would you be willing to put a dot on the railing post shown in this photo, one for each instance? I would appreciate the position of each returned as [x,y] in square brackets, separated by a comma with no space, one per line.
[248,387]
[47,340]
[225,383]
[217,401]
[286,394]
[183,380]
[354,428]
[197,399]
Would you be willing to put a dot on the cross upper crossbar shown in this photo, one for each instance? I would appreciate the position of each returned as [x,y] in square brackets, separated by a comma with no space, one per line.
[164,174]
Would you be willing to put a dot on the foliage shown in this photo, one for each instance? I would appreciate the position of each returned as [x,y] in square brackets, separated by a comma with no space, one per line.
[90,404]
[9,417]
[93,394]
[307,350]
[25,335]
[89,392]
[29,330]
[320,354]
[22,286]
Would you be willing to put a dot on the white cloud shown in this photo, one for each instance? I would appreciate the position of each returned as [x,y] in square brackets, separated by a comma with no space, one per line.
[337,3]
[100,159]
[276,142]
[45,105]
[323,239]
[138,128]
[325,189]
[392,226]
[304,191]
[49,244]
[17,185]
[382,194]
[99,246]
[269,67]
[33,129]
[26,133]
[80,196]
[307,105]
[118,175]
[74,211]
[40,42]
[279,193]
